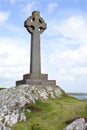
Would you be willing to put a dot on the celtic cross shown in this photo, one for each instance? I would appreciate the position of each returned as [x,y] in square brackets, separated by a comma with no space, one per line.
[35,25]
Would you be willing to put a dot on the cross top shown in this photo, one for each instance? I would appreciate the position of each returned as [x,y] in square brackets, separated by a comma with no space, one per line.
[35,24]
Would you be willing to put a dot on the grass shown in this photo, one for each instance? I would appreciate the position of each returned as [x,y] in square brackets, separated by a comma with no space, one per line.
[54,114]
[2,88]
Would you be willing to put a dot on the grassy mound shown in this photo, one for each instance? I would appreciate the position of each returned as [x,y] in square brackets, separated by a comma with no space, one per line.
[54,114]
[2,88]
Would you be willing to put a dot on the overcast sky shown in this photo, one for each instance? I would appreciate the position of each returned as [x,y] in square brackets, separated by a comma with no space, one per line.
[63,43]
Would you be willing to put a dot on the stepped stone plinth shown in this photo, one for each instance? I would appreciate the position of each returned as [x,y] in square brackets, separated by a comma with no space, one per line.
[35,26]
[38,79]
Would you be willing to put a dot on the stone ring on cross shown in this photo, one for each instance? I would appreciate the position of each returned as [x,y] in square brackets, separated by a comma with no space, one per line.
[35,24]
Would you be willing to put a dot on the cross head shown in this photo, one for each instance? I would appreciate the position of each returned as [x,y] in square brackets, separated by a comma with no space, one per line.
[35,24]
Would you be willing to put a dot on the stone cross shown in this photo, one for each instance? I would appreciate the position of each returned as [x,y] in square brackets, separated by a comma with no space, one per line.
[35,25]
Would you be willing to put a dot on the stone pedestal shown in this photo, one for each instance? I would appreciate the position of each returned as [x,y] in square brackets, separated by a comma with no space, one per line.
[36,79]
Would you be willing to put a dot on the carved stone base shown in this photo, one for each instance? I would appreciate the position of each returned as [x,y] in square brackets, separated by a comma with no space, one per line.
[36,79]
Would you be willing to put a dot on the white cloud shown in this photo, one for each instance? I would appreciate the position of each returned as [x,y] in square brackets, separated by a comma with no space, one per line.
[74,27]
[69,65]
[51,7]
[4,16]
[70,30]
[14,28]
[13,60]
[29,8]
[12,1]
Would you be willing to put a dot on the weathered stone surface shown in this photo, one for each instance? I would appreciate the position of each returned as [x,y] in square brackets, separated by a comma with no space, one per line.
[36,76]
[13,101]
[35,25]
[36,79]
[78,124]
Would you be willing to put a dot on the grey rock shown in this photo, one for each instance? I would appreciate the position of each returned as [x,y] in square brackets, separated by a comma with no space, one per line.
[78,124]
[13,101]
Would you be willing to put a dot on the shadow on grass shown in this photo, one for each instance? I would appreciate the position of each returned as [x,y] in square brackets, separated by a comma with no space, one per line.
[32,107]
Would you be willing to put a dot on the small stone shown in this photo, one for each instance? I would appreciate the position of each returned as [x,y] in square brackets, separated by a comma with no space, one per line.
[28,110]
[22,117]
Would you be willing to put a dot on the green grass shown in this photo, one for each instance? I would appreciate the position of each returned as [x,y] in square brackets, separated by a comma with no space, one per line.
[54,114]
[2,88]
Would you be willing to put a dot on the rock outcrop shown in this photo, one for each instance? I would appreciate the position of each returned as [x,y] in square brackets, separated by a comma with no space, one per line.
[78,124]
[13,101]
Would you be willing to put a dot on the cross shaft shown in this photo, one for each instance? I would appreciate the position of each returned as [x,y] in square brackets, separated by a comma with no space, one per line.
[35,25]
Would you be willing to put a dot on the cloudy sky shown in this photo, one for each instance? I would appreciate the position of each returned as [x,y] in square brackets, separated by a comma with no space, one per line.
[63,44]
